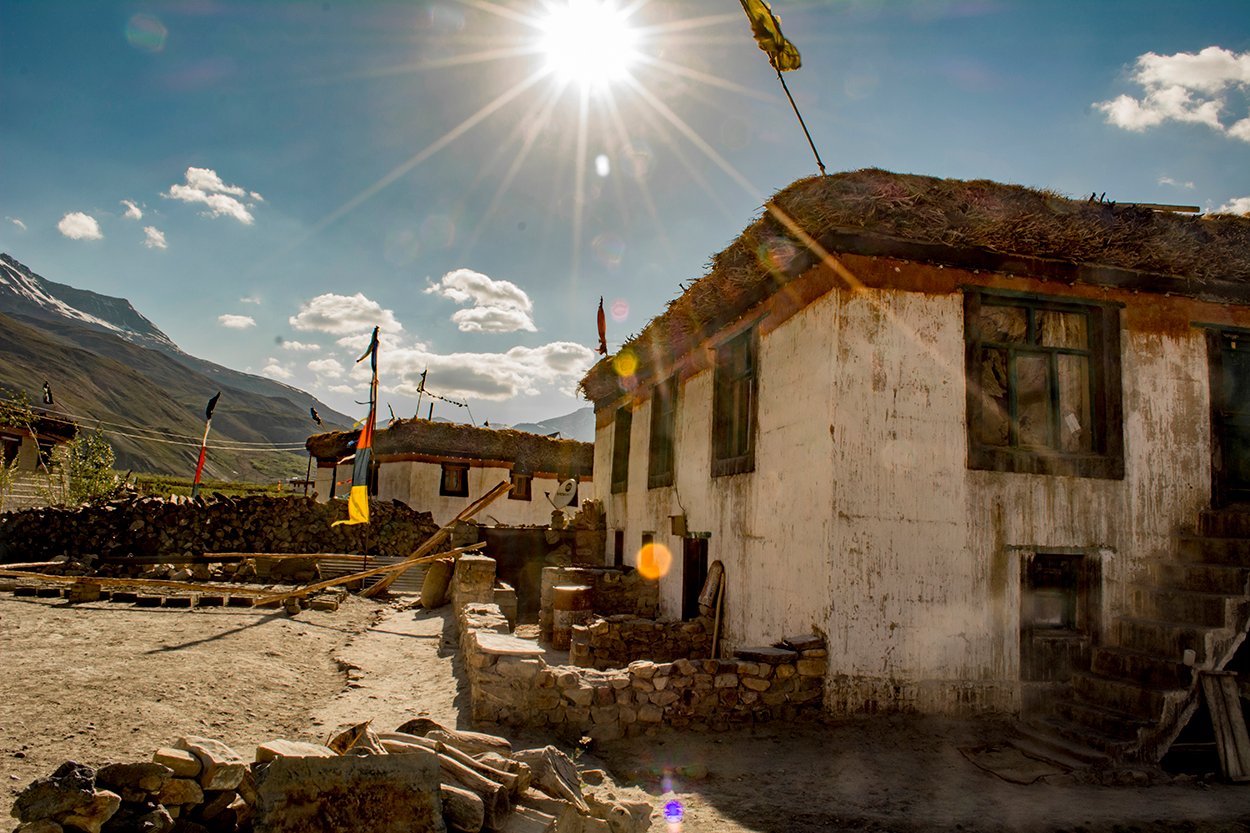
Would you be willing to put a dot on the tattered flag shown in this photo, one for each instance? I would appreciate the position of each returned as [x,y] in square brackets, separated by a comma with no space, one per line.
[766,27]
[358,497]
[603,330]
[47,394]
[316,417]
[212,404]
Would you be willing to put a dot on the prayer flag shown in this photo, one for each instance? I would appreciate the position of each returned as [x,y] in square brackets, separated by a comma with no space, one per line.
[766,27]
[358,497]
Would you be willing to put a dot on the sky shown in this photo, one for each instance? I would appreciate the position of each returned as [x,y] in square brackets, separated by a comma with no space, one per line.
[267,181]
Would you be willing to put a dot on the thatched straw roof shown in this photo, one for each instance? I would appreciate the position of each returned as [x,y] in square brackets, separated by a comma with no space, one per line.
[528,452]
[941,221]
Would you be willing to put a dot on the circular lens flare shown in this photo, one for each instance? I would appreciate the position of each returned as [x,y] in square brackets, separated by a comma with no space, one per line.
[625,363]
[654,561]
[589,41]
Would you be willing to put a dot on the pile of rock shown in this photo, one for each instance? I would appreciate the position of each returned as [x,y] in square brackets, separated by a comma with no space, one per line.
[159,528]
[421,778]
[613,592]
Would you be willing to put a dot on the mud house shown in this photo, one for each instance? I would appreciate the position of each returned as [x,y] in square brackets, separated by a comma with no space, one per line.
[977,435]
[441,467]
[31,448]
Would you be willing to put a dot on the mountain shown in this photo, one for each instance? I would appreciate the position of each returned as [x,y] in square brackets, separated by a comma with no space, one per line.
[110,366]
[579,425]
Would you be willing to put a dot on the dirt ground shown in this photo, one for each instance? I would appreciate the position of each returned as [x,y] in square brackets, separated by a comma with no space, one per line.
[98,683]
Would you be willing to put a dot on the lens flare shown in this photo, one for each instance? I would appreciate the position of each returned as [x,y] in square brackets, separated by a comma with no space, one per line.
[654,561]
[620,308]
[589,42]
[609,250]
[673,814]
[625,363]
[146,33]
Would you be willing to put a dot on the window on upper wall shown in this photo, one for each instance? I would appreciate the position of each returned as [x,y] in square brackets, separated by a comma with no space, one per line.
[455,482]
[1043,385]
[622,425]
[663,428]
[734,406]
[521,487]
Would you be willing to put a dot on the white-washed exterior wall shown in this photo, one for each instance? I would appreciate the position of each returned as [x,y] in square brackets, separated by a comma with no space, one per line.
[417,483]
[862,520]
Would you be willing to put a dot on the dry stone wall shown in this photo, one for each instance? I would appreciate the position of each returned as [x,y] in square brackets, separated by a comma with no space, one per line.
[156,528]
[512,685]
[613,592]
[616,641]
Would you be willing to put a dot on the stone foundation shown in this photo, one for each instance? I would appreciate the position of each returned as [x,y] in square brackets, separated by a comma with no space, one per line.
[616,641]
[512,685]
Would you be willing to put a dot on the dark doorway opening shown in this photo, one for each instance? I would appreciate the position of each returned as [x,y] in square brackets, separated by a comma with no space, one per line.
[1228,354]
[693,574]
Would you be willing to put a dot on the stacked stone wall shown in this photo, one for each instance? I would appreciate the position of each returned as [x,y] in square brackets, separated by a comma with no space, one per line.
[616,641]
[613,592]
[512,685]
[179,528]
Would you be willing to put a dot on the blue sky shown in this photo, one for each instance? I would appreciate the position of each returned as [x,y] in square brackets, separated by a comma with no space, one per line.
[267,180]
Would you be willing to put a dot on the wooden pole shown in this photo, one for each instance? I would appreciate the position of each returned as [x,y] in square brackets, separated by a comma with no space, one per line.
[720,595]
[802,123]
[144,582]
[443,534]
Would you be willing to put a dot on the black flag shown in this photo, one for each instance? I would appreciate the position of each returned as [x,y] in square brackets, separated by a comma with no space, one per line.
[212,403]
[315,416]
[47,394]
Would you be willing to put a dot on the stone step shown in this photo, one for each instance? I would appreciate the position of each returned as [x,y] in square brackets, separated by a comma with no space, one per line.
[1187,606]
[1213,550]
[1039,739]
[1127,696]
[1231,579]
[1230,523]
[1163,639]
[1107,731]
[1143,668]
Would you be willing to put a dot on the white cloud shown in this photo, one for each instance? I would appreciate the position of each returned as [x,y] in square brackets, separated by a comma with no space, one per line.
[276,370]
[1185,87]
[1167,180]
[250,299]
[326,368]
[1237,205]
[15,221]
[133,212]
[341,389]
[154,238]
[78,226]
[496,376]
[299,346]
[204,186]
[342,314]
[236,322]
[498,306]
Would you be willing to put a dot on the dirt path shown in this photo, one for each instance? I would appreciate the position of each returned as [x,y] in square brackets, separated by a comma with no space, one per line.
[101,683]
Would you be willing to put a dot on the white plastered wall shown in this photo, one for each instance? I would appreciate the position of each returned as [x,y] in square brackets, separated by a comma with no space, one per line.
[417,484]
[862,520]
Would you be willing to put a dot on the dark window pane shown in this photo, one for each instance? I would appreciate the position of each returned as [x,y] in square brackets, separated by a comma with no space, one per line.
[1033,399]
[1004,324]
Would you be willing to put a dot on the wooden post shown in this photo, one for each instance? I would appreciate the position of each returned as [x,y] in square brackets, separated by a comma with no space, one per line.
[720,595]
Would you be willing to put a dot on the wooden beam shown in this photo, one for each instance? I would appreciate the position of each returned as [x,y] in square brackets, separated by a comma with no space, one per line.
[232,589]
[377,571]
[443,534]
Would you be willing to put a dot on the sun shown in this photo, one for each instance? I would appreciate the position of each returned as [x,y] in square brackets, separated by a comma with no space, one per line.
[589,42]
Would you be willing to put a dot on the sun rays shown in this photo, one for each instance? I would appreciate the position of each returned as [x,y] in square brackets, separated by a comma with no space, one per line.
[603,64]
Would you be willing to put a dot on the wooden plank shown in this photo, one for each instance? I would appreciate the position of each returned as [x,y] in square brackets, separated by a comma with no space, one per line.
[1232,741]
[220,557]
[34,565]
[377,571]
[444,533]
[144,582]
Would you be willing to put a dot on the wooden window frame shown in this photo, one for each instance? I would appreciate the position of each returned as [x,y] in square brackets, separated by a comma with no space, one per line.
[735,404]
[622,426]
[1106,457]
[522,486]
[661,461]
[452,490]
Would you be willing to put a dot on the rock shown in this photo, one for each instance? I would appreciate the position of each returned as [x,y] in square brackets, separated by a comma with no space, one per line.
[134,782]
[771,656]
[91,817]
[374,793]
[71,786]
[358,739]
[41,826]
[291,749]
[182,763]
[181,791]
[223,767]
[808,642]
[140,817]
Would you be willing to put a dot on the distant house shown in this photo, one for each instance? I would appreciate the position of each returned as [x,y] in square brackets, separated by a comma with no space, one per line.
[975,434]
[31,453]
[440,467]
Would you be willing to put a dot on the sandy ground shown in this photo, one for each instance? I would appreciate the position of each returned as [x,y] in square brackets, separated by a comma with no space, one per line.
[100,683]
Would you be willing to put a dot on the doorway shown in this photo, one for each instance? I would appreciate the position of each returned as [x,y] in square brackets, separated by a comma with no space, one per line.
[1228,353]
[693,574]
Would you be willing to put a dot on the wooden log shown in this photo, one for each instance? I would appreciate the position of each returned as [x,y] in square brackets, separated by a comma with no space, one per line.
[377,571]
[398,743]
[494,796]
[554,774]
[233,589]
[472,743]
[35,565]
[462,810]
[1231,738]
[444,533]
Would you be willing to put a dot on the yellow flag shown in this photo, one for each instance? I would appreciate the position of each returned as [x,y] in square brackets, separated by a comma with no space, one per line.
[767,30]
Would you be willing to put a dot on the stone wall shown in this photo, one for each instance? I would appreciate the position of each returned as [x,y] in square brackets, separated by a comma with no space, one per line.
[176,528]
[512,685]
[616,641]
[613,592]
